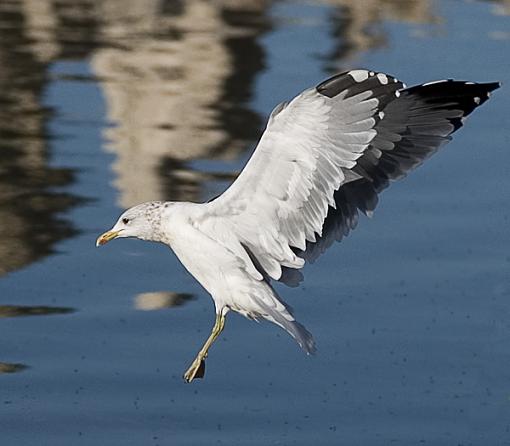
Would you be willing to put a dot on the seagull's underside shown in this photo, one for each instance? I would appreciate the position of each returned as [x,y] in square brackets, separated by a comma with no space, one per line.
[323,158]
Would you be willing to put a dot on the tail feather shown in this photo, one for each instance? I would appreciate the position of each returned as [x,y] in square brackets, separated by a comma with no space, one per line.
[273,309]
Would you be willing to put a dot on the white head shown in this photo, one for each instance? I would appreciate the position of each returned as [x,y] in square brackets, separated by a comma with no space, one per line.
[142,221]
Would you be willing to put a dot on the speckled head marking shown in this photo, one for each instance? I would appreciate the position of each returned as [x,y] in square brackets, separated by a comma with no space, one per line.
[142,221]
[151,212]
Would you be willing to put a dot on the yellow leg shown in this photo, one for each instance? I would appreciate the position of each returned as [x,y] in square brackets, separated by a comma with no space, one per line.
[197,367]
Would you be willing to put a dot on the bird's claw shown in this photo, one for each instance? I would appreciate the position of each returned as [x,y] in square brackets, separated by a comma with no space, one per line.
[195,370]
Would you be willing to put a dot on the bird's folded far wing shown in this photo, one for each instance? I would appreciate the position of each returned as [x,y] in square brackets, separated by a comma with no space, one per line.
[333,146]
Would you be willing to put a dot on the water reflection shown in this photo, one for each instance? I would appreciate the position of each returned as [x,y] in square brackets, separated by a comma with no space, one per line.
[177,89]
[501,7]
[6,367]
[357,26]
[25,310]
[30,209]
[159,300]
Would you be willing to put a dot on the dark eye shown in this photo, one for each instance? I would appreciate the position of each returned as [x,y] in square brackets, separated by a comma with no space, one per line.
[125,220]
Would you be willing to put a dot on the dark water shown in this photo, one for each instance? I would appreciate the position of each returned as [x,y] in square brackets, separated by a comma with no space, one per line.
[104,104]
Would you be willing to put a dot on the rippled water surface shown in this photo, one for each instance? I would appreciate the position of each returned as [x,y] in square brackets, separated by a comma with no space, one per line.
[104,104]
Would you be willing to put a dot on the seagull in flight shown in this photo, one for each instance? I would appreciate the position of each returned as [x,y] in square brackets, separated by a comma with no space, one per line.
[322,160]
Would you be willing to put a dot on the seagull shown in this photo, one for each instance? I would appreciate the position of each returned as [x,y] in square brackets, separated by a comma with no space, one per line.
[322,160]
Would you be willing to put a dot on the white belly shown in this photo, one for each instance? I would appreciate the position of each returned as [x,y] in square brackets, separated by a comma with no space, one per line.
[208,261]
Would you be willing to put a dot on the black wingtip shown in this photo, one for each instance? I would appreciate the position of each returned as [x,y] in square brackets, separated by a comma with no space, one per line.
[491,86]
[382,86]
[334,85]
[455,95]
[488,87]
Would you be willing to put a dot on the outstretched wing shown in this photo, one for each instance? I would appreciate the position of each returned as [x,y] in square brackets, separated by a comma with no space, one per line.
[332,147]
[412,124]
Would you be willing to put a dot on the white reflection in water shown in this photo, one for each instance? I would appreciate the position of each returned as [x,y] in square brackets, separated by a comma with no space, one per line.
[158,300]
[166,96]
[7,367]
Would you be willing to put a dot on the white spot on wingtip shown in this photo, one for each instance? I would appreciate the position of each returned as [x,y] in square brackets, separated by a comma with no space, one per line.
[477,100]
[371,73]
[434,82]
[381,115]
[397,93]
[359,75]
[382,78]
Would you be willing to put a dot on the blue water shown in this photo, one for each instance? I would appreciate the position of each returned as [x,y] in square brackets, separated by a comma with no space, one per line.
[411,312]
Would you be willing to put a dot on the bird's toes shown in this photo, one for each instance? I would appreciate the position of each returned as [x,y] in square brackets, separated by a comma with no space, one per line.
[201,369]
[196,370]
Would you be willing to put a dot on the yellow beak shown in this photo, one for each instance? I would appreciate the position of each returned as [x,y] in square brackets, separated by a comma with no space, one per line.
[106,237]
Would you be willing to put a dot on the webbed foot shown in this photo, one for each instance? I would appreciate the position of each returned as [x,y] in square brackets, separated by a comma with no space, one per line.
[195,370]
